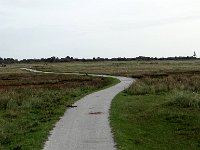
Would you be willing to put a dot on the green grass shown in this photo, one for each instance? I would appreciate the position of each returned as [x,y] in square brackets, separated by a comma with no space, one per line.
[148,122]
[158,113]
[30,104]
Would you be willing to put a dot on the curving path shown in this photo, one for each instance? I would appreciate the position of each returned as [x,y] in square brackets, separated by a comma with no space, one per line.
[86,127]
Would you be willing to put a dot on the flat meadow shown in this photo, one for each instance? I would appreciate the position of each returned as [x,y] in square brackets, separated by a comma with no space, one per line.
[160,110]
[158,113]
[134,69]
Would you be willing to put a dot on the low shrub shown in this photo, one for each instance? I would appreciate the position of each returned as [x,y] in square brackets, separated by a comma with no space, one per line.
[164,84]
[4,102]
[184,99]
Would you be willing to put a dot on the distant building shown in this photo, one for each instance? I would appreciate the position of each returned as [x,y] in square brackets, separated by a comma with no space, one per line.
[194,54]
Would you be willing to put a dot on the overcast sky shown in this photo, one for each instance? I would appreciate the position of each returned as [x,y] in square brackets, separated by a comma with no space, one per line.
[104,28]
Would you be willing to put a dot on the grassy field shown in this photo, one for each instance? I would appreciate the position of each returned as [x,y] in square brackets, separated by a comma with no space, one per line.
[159,111]
[134,69]
[31,103]
[130,68]
[14,68]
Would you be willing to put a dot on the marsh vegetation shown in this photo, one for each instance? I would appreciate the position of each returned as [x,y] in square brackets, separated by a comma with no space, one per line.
[30,104]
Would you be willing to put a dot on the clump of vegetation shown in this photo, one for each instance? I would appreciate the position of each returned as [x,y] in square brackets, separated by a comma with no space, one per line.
[184,99]
[146,86]
[182,90]
[31,103]
[164,84]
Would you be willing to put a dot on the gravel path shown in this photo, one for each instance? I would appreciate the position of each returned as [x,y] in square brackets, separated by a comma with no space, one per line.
[87,127]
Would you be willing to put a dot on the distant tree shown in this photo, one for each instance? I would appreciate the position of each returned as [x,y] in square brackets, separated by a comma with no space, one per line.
[1,60]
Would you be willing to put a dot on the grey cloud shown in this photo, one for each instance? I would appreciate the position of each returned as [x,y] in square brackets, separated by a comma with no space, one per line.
[98,27]
[133,25]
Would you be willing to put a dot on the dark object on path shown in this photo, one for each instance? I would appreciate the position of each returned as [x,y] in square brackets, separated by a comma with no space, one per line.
[71,106]
[86,74]
[95,113]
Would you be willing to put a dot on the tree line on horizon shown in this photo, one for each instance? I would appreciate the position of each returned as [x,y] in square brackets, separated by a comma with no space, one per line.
[71,59]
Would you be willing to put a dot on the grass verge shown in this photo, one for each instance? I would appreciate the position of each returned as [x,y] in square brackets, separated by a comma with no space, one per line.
[158,113]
